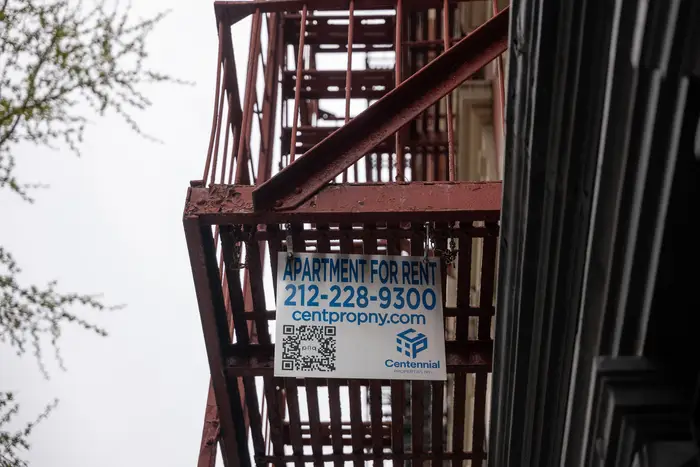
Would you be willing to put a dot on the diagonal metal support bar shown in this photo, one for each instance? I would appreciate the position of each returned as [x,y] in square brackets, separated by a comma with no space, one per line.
[322,163]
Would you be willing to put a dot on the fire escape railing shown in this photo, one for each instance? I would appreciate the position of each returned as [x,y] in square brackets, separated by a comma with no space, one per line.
[337,191]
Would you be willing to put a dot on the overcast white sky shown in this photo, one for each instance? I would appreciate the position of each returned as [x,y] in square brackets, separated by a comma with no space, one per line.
[111,223]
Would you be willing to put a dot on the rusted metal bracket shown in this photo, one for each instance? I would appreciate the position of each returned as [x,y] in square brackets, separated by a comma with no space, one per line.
[329,158]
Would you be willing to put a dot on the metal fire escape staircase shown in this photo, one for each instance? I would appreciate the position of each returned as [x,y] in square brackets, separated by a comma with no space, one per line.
[363,184]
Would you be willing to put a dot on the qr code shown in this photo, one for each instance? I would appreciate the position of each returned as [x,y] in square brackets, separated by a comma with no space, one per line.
[308,348]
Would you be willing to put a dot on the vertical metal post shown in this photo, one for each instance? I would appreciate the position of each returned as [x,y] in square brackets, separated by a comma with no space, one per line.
[219,118]
[432,113]
[248,99]
[500,126]
[400,175]
[226,138]
[269,105]
[501,79]
[348,76]
[216,101]
[235,132]
[297,85]
[446,37]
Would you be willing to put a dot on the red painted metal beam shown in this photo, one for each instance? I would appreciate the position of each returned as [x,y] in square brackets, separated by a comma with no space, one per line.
[233,11]
[310,136]
[210,433]
[322,84]
[324,430]
[269,104]
[364,457]
[321,164]
[217,338]
[258,360]
[398,202]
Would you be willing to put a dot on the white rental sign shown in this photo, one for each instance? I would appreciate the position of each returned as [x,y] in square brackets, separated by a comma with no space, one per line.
[359,316]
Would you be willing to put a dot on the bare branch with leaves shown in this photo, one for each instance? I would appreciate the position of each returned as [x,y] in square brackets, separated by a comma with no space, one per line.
[60,61]
[30,314]
[55,58]
[14,443]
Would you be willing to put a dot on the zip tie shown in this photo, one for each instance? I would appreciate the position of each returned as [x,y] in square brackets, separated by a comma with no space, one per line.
[290,246]
[427,243]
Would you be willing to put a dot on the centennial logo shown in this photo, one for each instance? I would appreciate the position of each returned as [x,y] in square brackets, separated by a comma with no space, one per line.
[411,342]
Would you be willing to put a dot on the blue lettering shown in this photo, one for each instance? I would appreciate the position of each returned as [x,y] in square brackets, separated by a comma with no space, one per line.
[296,316]
[325,268]
[297,267]
[373,270]
[383,271]
[353,271]
[307,271]
[316,268]
[306,316]
[413,298]
[424,274]
[389,363]
[405,272]
[335,271]
[344,270]
[362,263]
[414,272]
[394,272]
[287,271]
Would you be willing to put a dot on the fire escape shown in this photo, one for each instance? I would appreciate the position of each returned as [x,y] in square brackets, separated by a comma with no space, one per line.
[344,139]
